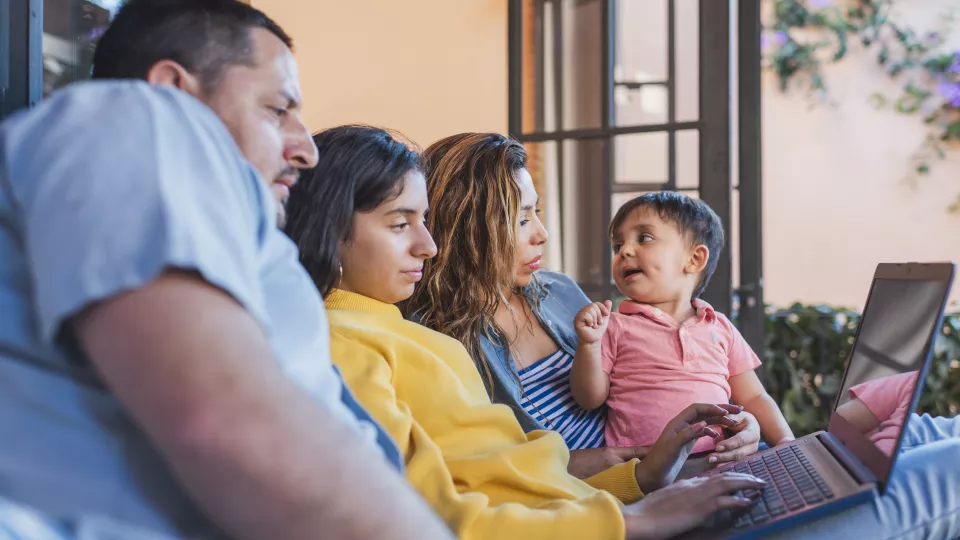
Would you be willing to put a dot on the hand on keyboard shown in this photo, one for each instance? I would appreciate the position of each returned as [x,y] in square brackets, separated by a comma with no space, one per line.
[792,483]
[685,505]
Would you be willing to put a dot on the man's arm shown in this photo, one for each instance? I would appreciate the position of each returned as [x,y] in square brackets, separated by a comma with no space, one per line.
[264,460]
[380,385]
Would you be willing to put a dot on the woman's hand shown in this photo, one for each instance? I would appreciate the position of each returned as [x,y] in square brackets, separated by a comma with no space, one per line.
[586,463]
[683,506]
[744,442]
[666,457]
[591,322]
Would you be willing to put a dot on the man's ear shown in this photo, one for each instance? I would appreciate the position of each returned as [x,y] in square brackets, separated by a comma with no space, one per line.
[697,259]
[173,74]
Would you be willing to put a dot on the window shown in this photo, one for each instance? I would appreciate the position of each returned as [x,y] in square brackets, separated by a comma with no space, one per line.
[47,44]
[70,32]
[618,97]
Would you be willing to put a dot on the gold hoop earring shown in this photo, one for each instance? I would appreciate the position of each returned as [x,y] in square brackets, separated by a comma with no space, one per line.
[339,276]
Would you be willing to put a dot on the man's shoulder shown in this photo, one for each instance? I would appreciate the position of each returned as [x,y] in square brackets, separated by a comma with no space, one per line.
[92,113]
[101,135]
[105,99]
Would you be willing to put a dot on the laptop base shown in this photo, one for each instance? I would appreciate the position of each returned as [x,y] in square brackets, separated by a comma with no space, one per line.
[806,481]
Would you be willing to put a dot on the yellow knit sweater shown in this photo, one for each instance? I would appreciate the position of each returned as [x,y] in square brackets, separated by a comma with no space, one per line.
[467,457]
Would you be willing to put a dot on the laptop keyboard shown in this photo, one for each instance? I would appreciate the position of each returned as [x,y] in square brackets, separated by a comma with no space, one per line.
[792,484]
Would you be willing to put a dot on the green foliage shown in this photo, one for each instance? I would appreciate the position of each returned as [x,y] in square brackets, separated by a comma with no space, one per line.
[804,35]
[807,348]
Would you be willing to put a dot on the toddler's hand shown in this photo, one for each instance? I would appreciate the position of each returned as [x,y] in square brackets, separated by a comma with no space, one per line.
[591,322]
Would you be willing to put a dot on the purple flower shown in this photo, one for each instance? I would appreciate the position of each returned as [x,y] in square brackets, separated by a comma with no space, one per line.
[819,3]
[777,39]
[955,67]
[950,91]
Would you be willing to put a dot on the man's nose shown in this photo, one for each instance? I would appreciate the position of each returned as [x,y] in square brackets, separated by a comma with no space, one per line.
[300,150]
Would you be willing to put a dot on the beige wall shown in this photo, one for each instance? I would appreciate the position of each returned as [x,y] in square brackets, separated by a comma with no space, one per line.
[836,199]
[428,68]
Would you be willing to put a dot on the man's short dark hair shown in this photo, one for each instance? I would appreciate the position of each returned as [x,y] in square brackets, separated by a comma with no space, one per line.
[695,219]
[204,36]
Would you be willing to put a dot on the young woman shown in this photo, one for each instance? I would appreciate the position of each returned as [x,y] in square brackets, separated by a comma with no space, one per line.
[515,319]
[358,219]
[483,216]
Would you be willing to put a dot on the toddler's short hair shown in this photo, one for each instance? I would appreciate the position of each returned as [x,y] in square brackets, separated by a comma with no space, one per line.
[695,219]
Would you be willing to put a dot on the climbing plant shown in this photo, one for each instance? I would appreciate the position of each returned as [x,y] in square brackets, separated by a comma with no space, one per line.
[805,35]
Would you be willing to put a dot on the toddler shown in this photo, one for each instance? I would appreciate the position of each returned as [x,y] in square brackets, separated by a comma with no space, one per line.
[666,348]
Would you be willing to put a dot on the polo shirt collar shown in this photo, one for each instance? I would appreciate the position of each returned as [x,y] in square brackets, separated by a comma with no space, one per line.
[705,312]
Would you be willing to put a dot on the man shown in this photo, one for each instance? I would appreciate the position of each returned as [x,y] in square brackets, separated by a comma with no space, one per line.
[159,342]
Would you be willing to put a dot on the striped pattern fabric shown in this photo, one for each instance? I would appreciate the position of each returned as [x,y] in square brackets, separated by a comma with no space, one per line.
[546,397]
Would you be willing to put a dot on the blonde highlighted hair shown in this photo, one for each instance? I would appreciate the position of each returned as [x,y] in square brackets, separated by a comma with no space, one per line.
[474,213]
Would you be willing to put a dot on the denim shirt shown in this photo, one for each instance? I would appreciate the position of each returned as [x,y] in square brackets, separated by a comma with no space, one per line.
[560,300]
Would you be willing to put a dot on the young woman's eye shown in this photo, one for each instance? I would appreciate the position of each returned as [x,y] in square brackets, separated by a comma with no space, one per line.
[524,221]
[400,227]
[279,112]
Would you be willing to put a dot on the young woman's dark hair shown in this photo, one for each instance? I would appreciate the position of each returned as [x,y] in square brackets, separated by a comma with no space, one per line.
[360,168]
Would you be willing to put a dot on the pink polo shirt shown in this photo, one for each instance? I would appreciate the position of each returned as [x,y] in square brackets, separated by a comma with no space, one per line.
[888,398]
[658,367]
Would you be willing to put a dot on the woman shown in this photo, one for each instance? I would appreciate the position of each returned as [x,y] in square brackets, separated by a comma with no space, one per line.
[515,319]
[482,200]
[358,219]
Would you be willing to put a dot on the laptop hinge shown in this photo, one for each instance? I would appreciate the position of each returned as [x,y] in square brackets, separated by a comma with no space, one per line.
[847,459]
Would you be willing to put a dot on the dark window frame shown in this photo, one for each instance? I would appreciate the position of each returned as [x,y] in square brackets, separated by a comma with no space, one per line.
[21,42]
[714,128]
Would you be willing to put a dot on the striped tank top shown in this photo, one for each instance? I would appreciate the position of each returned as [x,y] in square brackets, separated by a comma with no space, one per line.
[547,398]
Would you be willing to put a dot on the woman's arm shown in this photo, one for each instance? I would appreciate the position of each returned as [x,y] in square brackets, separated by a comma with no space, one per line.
[745,441]
[667,457]
[469,514]
[590,461]
[258,454]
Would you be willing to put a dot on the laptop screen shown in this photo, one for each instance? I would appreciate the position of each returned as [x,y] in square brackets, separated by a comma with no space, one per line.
[878,391]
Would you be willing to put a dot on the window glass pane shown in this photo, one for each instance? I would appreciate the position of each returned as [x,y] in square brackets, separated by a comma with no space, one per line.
[640,71]
[641,158]
[70,32]
[561,54]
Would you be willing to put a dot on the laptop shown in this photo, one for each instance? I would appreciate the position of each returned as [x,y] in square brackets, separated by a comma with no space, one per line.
[850,463]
